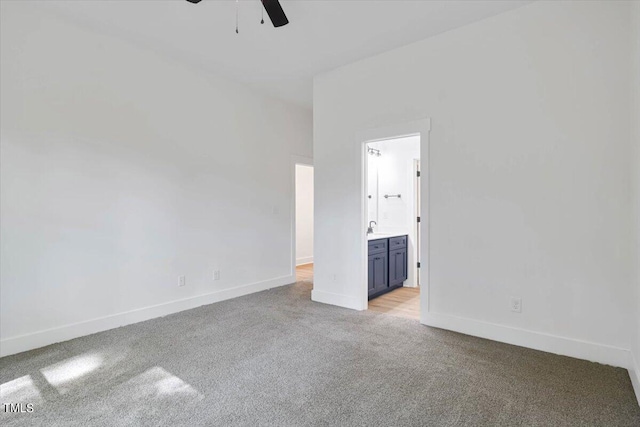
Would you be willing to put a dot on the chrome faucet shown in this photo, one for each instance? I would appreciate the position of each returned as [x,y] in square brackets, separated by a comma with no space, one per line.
[370,229]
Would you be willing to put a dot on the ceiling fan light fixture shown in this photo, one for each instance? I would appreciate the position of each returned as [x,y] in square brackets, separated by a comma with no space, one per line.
[275,12]
[273,8]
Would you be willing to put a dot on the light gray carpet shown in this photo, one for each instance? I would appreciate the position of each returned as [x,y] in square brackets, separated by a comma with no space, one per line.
[276,358]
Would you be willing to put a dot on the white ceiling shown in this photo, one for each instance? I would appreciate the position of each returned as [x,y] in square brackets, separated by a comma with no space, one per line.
[322,34]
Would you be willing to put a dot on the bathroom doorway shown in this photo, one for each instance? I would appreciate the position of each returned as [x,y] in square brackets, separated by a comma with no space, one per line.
[393,225]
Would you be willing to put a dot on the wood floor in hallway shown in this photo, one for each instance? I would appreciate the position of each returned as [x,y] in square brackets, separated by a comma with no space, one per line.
[402,302]
[304,273]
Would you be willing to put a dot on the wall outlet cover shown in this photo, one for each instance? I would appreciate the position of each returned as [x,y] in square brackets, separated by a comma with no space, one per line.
[516,304]
[182,280]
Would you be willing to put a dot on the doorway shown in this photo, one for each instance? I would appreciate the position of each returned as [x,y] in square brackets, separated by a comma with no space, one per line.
[393,225]
[303,246]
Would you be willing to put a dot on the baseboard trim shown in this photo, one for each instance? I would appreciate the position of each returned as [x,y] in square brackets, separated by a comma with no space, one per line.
[585,350]
[634,374]
[341,300]
[304,260]
[39,339]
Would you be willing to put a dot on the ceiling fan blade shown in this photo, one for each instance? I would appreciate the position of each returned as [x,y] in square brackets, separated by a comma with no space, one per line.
[275,12]
[194,1]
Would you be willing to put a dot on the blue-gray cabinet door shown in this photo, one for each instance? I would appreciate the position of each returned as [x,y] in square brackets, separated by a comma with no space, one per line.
[370,276]
[378,273]
[397,266]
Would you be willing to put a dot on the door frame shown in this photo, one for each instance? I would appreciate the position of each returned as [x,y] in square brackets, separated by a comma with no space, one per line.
[417,214]
[306,161]
[421,127]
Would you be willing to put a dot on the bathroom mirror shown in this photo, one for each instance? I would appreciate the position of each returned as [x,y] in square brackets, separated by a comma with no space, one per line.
[373,158]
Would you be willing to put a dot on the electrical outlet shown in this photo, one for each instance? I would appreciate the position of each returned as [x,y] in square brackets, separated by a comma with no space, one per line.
[516,305]
[182,280]
[216,275]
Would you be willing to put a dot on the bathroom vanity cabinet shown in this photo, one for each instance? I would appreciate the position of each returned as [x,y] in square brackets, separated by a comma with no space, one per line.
[387,264]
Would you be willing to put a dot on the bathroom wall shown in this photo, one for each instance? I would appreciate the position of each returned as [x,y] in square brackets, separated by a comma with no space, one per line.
[372,188]
[395,176]
[394,170]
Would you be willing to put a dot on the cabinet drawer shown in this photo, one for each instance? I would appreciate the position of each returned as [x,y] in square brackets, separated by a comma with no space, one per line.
[377,246]
[397,242]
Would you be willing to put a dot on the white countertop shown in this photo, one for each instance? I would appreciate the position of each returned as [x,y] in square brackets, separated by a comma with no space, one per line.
[376,236]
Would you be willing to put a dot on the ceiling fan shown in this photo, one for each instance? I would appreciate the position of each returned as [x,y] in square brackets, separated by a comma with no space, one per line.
[273,8]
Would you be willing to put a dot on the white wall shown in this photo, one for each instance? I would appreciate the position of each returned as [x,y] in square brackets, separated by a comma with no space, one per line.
[121,171]
[304,214]
[635,375]
[372,195]
[530,169]
[395,175]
